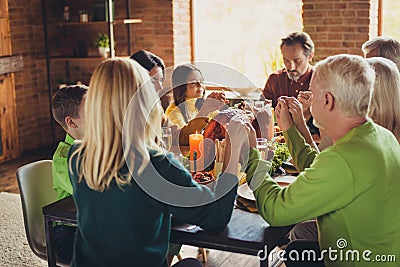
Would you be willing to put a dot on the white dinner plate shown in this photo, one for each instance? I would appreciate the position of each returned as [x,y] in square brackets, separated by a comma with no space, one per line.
[245,192]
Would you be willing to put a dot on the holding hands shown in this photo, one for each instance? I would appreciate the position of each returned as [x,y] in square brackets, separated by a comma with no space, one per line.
[219,96]
[296,110]
[213,102]
[293,113]
[265,121]
[283,117]
[240,133]
[304,98]
[289,111]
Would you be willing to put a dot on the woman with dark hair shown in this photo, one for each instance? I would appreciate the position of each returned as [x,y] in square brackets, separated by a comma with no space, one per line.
[188,93]
[156,68]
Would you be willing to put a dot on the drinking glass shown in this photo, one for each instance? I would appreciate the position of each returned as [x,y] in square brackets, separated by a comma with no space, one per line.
[167,137]
[262,146]
[258,105]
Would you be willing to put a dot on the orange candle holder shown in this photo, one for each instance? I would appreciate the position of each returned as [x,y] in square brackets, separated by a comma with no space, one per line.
[195,144]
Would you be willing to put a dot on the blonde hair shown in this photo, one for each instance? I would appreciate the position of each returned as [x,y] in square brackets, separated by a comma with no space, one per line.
[350,79]
[388,48]
[103,151]
[385,102]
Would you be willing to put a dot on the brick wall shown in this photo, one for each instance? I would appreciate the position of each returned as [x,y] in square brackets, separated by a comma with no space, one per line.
[182,29]
[339,26]
[155,33]
[165,29]
[32,103]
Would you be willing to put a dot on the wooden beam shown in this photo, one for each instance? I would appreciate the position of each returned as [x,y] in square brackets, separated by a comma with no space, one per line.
[380,12]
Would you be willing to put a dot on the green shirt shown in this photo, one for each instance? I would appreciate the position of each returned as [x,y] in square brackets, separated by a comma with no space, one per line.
[351,188]
[61,183]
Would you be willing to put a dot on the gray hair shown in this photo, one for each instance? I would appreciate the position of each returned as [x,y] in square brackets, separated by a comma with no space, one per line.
[350,79]
[388,47]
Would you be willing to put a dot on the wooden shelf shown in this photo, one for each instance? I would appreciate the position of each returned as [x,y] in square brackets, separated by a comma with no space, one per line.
[75,58]
[82,58]
[115,22]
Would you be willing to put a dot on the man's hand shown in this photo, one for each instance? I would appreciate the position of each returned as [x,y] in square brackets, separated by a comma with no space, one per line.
[283,117]
[304,98]
[296,110]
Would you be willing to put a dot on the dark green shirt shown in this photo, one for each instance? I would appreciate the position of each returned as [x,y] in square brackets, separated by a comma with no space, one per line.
[128,227]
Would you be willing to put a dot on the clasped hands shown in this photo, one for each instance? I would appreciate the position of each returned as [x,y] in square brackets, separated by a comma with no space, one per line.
[213,102]
[289,111]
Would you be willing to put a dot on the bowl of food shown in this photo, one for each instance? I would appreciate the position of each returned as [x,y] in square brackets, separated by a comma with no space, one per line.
[203,177]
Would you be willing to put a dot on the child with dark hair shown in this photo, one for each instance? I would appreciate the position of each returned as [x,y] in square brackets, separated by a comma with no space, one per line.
[188,92]
[68,110]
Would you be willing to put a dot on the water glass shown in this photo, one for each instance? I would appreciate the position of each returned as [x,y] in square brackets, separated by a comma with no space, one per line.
[262,146]
[178,156]
[167,137]
[258,105]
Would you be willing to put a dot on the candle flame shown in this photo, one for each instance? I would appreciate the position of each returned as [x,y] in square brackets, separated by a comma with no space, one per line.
[197,132]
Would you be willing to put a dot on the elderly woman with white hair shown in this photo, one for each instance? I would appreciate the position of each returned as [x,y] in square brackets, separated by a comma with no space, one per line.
[383,46]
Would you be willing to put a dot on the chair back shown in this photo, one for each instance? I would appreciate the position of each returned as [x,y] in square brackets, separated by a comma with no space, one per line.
[35,184]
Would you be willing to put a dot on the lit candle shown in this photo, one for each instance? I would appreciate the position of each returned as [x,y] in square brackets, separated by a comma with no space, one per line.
[194,144]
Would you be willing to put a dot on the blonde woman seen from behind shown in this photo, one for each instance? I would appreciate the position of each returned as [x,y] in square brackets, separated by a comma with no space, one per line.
[122,221]
[385,102]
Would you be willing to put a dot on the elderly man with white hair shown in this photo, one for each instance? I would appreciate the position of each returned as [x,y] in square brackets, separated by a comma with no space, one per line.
[351,187]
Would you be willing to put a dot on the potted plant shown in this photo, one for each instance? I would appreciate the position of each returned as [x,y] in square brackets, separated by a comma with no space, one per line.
[62,82]
[103,44]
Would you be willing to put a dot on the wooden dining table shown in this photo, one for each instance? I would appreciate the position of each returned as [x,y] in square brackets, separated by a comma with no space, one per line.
[235,97]
[246,233]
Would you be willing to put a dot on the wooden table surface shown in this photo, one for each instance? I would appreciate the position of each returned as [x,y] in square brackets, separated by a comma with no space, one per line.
[246,232]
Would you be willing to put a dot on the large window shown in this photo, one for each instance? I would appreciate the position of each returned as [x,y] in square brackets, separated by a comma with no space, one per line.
[390,18]
[244,35]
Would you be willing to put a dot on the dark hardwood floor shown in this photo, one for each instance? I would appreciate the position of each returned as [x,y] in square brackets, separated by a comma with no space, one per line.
[8,179]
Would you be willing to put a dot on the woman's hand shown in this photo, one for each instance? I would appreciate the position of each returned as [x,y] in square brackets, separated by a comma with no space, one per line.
[283,117]
[239,134]
[265,121]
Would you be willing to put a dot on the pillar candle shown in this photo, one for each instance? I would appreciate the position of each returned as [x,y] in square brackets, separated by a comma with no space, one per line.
[196,164]
[194,144]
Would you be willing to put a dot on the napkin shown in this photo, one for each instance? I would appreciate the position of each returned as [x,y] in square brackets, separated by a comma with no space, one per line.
[247,205]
